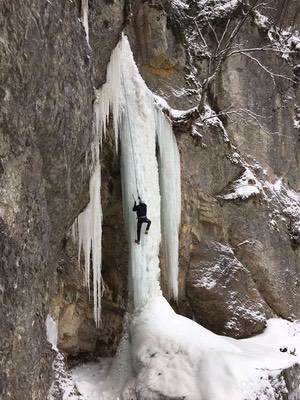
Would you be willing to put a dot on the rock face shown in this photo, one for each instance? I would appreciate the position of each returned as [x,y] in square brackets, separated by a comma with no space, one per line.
[72,306]
[46,91]
[239,254]
[45,85]
[222,293]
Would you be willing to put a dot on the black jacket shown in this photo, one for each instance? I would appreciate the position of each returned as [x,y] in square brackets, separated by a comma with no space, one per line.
[141,209]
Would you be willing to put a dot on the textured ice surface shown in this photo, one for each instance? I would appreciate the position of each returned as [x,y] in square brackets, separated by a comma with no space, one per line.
[169,173]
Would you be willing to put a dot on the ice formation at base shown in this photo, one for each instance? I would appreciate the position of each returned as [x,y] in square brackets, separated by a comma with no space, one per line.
[175,358]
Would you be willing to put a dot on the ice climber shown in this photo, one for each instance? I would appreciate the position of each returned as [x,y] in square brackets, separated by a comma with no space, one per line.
[141,212]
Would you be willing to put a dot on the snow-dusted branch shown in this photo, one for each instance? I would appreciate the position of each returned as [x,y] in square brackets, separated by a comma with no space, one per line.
[256,49]
[228,112]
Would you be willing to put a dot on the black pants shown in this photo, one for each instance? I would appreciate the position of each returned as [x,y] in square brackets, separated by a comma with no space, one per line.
[140,222]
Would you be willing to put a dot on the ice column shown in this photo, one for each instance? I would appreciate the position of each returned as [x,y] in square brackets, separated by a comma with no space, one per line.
[109,97]
[170,190]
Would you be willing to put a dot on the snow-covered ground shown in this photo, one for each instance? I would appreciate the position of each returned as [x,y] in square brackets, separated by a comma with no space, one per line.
[176,357]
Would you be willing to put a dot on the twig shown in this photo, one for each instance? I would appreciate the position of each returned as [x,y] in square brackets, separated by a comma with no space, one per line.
[223,34]
[214,32]
[200,33]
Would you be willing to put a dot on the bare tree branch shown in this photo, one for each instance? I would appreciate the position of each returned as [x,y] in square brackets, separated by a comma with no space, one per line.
[223,35]
[226,47]
[200,33]
[263,67]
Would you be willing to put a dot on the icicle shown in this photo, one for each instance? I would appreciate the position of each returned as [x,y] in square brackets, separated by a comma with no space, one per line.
[109,96]
[169,173]
[90,234]
[73,231]
[52,332]
[85,17]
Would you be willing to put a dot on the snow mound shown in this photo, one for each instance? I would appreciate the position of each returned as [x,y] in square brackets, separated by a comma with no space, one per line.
[174,357]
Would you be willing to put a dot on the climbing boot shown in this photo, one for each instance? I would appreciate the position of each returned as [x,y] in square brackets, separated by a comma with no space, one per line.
[137,242]
[146,232]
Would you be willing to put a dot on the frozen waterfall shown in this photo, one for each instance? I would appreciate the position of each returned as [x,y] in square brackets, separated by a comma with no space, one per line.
[138,125]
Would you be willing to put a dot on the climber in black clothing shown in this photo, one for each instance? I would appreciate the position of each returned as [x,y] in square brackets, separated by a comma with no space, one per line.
[141,211]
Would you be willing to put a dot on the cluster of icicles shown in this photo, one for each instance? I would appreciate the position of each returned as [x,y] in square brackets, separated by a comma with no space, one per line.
[139,125]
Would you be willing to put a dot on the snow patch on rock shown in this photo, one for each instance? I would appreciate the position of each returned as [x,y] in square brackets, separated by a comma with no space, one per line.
[181,4]
[246,186]
[285,41]
[63,387]
[52,332]
[210,118]
[212,9]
